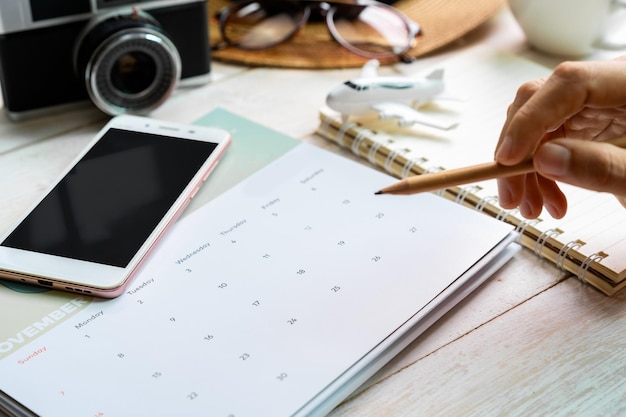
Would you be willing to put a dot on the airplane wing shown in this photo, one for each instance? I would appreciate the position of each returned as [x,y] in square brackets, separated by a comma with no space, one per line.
[407,116]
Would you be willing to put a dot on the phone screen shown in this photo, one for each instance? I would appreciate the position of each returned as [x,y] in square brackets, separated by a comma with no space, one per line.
[105,208]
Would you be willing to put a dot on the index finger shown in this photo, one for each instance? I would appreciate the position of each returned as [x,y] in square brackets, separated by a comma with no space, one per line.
[571,87]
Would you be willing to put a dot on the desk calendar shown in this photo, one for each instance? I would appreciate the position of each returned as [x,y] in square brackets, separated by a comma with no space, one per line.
[278,298]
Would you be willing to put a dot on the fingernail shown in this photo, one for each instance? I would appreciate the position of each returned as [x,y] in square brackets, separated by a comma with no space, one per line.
[505,197]
[554,211]
[553,159]
[526,210]
[504,150]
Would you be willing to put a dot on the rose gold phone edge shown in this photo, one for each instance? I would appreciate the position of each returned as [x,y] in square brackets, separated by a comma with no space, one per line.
[152,240]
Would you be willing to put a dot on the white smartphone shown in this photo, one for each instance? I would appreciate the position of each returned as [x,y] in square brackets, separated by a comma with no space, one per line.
[97,223]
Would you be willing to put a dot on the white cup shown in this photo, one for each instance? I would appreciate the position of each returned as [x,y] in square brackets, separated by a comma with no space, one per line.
[570,27]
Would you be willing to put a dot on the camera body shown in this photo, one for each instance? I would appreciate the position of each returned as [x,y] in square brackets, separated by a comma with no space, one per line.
[126,56]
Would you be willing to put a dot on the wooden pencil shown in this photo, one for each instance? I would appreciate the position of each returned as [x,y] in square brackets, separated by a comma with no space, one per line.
[449,178]
[466,175]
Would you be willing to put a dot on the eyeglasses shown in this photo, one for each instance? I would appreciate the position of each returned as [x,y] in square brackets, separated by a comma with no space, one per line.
[367,28]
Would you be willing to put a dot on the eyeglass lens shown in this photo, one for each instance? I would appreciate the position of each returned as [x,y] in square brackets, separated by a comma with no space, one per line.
[374,30]
[262,24]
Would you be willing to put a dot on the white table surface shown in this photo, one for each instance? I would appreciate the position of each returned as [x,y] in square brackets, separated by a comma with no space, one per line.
[531,341]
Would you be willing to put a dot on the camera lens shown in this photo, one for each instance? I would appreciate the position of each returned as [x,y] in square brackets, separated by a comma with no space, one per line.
[133,72]
[127,62]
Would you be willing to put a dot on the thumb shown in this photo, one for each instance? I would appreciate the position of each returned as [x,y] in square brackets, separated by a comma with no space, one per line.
[593,165]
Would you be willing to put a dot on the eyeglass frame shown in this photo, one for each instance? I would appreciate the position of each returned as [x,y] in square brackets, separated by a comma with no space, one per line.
[327,10]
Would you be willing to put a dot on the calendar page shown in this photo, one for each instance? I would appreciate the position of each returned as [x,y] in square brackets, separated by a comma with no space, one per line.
[256,304]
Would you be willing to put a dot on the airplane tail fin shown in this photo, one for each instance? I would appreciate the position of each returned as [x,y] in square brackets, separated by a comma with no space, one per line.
[370,69]
[435,75]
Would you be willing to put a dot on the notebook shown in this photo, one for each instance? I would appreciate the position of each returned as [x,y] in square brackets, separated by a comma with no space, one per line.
[279,297]
[590,242]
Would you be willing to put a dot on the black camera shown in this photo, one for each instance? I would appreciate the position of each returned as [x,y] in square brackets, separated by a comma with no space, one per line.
[126,56]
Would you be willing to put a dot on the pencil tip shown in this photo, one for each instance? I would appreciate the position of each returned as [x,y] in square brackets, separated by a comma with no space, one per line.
[379,192]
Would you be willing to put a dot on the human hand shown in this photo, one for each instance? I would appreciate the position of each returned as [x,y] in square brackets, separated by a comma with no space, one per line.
[561,121]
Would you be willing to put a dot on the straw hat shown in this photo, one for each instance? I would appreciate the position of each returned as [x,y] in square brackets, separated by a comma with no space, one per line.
[442,21]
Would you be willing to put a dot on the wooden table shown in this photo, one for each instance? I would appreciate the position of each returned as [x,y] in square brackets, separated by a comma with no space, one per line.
[531,341]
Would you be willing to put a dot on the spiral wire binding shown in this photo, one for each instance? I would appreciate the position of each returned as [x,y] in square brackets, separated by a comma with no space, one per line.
[560,258]
[503,214]
[521,228]
[483,202]
[541,241]
[371,156]
[584,267]
[390,160]
[363,134]
[465,191]
[342,132]
[407,169]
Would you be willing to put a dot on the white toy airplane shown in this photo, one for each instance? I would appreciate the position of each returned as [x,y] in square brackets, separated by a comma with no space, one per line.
[391,96]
